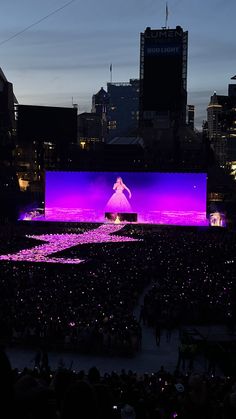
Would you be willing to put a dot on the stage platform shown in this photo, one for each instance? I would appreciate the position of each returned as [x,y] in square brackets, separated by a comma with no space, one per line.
[77,215]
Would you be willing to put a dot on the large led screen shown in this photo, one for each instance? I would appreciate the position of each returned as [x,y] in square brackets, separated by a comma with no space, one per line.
[161,198]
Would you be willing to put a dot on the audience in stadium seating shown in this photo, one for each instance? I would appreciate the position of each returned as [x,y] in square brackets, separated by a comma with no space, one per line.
[187,277]
[186,274]
[66,394]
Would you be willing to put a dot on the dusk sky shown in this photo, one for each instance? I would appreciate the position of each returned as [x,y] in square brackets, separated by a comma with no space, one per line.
[69,53]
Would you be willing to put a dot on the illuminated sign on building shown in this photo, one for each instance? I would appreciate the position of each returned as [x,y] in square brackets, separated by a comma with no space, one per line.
[163,34]
[163,49]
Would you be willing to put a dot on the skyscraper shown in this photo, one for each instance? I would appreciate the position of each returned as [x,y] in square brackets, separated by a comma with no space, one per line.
[221,114]
[7,119]
[191,112]
[46,140]
[100,105]
[100,102]
[9,187]
[163,87]
[123,109]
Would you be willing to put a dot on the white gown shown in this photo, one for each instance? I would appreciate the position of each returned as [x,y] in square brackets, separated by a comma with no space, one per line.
[118,202]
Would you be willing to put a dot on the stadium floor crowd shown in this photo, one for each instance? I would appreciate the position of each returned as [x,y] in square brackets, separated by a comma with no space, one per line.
[134,305]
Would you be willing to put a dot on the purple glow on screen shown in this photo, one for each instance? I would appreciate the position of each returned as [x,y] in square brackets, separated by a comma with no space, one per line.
[168,198]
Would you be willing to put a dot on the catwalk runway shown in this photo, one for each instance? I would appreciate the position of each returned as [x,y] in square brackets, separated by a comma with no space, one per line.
[54,243]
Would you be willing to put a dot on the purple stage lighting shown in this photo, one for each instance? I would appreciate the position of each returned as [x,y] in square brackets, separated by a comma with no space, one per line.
[160,198]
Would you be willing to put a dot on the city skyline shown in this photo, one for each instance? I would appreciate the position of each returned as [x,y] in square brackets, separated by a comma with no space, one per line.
[69,53]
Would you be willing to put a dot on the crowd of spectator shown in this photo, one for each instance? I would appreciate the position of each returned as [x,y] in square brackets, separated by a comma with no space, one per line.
[188,274]
[87,307]
[194,281]
[67,394]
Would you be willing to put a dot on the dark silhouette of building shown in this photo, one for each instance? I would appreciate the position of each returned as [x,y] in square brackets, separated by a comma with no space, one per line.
[100,102]
[232,90]
[46,140]
[124,154]
[9,187]
[91,141]
[90,129]
[123,109]
[191,113]
[7,119]
[9,194]
[221,113]
[163,92]
[46,123]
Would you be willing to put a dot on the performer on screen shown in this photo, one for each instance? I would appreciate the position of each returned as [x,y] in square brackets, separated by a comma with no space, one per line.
[118,201]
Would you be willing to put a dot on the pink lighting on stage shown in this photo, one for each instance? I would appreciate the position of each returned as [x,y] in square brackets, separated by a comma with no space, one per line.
[217,219]
[156,198]
[58,242]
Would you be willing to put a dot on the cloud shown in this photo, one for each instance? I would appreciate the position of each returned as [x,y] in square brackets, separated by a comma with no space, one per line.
[59,50]
[211,49]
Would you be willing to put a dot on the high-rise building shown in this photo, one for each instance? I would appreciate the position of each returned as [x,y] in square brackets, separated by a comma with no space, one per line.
[232,90]
[46,140]
[221,113]
[90,130]
[231,132]
[9,187]
[191,112]
[123,109]
[214,111]
[124,154]
[100,102]
[7,119]
[163,88]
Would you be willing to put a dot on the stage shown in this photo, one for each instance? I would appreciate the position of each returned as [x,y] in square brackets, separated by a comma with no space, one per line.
[82,215]
[110,202]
